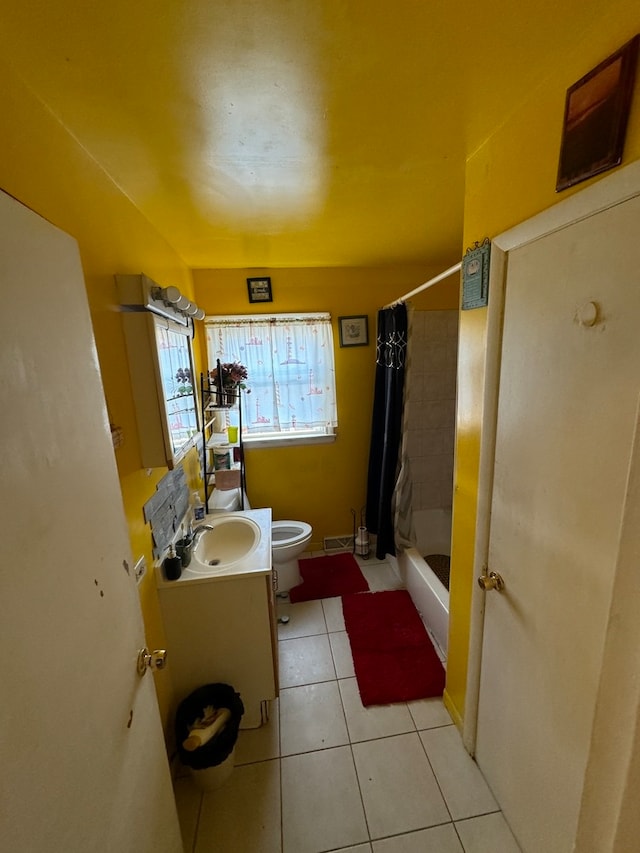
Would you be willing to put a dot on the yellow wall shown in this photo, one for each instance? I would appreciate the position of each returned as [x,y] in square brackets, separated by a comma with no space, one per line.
[42,166]
[320,484]
[508,179]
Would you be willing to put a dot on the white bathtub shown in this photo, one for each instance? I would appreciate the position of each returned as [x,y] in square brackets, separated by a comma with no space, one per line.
[431,598]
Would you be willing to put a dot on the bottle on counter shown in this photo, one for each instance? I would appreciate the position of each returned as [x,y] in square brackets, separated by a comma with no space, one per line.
[198,509]
[172,565]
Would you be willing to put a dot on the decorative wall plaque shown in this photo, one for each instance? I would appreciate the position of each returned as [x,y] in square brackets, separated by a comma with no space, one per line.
[475,276]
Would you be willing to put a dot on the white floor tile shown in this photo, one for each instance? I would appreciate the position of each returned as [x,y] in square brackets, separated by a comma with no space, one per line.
[305,660]
[260,744]
[305,619]
[188,799]
[321,805]
[312,718]
[333,614]
[429,713]
[243,815]
[487,834]
[399,789]
[342,657]
[438,839]
[337,755]
[381,576]
[376,721]
[462,784]
[364,562]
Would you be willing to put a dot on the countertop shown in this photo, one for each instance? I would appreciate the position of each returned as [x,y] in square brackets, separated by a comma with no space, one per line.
[257,563]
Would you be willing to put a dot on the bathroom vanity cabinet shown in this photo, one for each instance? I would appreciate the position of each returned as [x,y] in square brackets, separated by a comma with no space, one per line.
[222,628]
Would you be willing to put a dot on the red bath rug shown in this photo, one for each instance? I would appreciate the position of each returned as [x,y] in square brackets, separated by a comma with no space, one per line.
[327,577]
[393,656]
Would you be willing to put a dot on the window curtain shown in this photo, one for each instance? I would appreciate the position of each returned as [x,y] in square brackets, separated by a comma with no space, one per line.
[290,366]
[389,482]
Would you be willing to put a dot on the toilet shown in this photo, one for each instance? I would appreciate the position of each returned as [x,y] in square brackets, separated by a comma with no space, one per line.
[288,541]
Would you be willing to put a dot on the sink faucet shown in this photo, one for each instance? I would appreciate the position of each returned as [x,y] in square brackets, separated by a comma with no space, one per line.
[200,529]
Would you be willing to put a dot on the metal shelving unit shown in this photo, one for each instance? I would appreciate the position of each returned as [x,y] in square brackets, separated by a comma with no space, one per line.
[214,400]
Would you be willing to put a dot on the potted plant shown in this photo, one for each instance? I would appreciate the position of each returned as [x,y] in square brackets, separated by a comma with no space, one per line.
[229,378]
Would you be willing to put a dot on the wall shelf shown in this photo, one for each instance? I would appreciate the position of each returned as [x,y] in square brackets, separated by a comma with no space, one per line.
[215,403]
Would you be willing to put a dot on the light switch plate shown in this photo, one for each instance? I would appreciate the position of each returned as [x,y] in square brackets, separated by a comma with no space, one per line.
[140,569]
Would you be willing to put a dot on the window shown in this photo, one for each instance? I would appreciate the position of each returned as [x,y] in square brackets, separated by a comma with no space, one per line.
[291,374]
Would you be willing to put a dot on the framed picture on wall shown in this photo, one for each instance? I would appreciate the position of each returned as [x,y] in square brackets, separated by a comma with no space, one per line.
[259,289]
[354,331]
[595,118]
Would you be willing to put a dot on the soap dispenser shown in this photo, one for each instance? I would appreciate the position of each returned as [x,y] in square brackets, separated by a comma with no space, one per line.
[172,565]
[198,509]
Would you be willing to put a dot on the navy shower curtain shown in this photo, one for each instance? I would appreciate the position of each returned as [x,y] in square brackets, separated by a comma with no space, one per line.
[386,426]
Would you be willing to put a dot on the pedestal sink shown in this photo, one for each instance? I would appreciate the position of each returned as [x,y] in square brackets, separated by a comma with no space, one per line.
[232,538]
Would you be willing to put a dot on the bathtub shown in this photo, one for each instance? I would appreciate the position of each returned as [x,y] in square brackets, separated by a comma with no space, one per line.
[431,598]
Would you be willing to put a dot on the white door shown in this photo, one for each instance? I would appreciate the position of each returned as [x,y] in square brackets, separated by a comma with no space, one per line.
[569,384]
[83,764]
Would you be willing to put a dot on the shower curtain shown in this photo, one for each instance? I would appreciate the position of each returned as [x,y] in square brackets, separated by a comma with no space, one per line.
[388,506]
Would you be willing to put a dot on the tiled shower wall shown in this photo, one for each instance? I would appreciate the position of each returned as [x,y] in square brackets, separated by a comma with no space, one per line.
[432,399]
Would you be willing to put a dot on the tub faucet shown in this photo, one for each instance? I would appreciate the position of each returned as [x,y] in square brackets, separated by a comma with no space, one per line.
[199,530]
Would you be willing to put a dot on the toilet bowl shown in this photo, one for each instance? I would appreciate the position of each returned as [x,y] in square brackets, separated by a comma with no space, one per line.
[288,541]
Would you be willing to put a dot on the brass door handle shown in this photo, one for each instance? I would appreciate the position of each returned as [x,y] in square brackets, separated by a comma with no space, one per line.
[157,659]
[491,581]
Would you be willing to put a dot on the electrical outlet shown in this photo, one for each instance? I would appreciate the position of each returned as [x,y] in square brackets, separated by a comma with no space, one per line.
[139,570]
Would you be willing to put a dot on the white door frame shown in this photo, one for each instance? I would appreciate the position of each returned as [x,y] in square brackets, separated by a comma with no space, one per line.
[615,189]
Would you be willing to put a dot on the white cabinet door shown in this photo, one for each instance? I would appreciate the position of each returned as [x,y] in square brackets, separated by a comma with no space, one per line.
[221,630]
[84,766]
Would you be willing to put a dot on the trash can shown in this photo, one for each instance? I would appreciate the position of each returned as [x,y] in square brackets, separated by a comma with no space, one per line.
[207,724]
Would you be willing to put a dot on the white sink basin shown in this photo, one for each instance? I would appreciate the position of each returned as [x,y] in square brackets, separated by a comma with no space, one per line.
[232,538]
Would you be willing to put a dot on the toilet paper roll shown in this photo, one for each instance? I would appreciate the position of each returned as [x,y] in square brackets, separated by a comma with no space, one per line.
[363,535]
[222,458]
[362,542]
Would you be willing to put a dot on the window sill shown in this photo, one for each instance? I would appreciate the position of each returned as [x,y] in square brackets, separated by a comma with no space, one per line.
[261,442]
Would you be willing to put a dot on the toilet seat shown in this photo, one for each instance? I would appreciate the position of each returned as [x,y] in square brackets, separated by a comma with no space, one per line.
[285,533]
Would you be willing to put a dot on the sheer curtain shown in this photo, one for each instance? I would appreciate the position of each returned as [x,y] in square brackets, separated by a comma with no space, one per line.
[290,365]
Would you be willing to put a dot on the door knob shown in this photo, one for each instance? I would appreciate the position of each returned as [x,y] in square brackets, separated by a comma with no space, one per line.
[157,659]
[491,581]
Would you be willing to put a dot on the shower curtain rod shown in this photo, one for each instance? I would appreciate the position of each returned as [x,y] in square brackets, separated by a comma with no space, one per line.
[430,283]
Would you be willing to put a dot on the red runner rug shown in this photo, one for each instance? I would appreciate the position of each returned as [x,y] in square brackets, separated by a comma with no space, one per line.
[327,577]
[393,656]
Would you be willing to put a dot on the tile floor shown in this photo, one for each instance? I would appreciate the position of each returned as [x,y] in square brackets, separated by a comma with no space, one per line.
[327,774]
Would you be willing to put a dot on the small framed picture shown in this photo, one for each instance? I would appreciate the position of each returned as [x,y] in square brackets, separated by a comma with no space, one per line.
[259,289]
[354,331]
[595,118]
